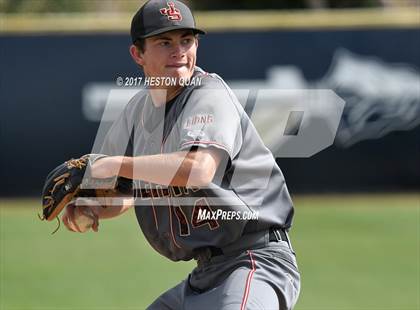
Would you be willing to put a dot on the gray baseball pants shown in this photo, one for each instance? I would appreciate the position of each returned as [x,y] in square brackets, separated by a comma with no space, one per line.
[263,277]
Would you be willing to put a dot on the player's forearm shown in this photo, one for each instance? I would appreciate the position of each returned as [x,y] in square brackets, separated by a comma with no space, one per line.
[176,169]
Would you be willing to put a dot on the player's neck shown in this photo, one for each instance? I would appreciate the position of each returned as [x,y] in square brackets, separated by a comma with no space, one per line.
[161,96]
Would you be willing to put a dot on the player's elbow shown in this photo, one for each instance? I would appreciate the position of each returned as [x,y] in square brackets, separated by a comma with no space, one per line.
[201,177]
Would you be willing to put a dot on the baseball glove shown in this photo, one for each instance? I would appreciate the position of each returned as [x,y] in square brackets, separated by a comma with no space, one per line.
[63,185]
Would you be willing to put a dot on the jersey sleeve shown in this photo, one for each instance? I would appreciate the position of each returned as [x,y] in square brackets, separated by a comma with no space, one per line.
[211,118]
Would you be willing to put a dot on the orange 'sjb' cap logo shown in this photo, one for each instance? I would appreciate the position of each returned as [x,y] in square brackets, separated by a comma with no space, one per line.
[172,12]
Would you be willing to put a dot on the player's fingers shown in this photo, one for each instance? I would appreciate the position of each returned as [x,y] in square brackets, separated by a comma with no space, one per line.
[91,212]
[95,226]
[65,220]
[68,218]
[66,223]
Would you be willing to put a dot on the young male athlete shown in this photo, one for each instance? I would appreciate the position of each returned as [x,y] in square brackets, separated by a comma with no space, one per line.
[207,187]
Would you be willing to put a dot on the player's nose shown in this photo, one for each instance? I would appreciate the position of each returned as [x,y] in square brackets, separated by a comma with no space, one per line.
[178,51]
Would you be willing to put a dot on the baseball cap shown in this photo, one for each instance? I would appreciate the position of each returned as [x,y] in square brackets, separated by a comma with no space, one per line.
[158,16]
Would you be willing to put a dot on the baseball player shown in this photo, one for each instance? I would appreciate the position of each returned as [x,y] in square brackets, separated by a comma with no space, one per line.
[206,186]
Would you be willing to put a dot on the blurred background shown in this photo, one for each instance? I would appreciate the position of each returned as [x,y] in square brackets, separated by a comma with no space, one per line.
[357,225]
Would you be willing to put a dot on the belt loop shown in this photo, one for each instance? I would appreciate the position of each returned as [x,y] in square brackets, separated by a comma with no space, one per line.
[288,242]
[267,237]
[277,235]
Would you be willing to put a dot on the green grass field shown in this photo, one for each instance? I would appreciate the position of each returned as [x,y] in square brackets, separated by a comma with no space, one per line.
[354,252]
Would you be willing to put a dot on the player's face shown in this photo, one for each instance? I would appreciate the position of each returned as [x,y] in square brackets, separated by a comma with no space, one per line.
[171,54]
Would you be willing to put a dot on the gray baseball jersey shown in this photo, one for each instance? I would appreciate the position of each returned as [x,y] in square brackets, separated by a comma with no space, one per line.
[178,220]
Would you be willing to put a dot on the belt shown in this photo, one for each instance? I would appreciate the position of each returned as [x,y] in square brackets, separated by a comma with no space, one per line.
[274,235]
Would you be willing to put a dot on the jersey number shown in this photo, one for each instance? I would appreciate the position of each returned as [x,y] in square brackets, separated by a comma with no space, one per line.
[198,217]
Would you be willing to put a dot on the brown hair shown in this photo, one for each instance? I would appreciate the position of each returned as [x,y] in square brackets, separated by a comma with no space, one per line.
[140,44]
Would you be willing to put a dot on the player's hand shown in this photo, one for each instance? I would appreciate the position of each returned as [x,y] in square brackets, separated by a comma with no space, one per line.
[68,218]
[106,167]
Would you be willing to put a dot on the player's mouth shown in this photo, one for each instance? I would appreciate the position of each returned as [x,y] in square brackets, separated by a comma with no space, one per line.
[176,65]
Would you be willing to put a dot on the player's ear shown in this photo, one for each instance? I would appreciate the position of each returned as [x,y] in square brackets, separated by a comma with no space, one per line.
[137,55]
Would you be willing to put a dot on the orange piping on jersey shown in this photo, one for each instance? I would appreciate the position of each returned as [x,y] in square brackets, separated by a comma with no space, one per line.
[161,146]
[169,204]
[170,221]
[205,142]
[142,113]
[154,215]
[146,186]
[248,281]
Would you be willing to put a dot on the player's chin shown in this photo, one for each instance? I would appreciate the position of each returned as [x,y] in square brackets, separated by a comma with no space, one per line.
[179,72]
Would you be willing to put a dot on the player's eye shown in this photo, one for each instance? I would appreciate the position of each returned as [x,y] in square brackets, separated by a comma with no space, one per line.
[186,41]
[163,43]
